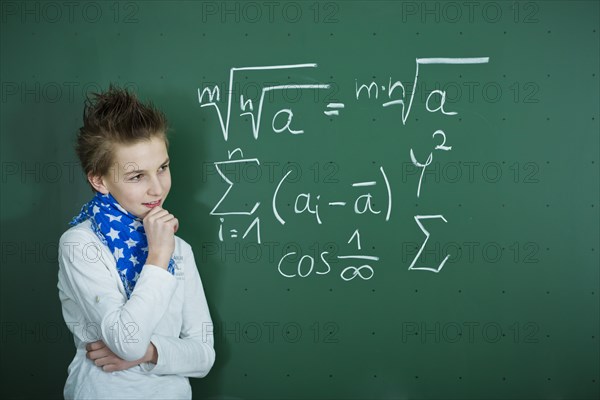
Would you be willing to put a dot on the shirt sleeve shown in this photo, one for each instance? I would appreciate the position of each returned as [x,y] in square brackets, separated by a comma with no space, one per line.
[192,354]
[125,326]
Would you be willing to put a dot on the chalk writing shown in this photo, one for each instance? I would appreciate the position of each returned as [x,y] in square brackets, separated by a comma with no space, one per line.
[314,206]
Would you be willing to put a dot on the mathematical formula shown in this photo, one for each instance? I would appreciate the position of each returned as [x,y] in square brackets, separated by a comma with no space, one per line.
[391,96]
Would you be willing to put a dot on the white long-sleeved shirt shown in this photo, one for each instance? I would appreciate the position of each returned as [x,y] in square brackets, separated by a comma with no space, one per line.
[168,310]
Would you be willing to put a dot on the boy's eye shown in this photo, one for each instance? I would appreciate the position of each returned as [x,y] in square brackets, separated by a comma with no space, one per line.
[164,167]
[136,178]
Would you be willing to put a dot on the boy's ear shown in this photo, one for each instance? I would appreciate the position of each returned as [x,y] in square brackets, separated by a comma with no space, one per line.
[97,183]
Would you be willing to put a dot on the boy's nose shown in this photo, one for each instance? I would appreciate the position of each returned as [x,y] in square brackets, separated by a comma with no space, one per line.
[156,188]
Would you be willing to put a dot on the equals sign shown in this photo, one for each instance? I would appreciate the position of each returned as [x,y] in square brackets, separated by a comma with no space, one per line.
[335,106]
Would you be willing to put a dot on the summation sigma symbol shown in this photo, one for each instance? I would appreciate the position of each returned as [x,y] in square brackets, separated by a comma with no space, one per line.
[282,121]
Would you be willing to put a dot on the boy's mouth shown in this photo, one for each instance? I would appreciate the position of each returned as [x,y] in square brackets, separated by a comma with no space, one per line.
[153,204]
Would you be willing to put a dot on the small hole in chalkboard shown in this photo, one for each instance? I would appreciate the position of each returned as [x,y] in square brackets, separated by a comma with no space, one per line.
[503,378]
[416,377]
[460,33]
[416,290]
[460,377]
[549,379]
[245,374]
[288,289]
[549,31]
[374,34]
[288,375]
[246,289]
[417,33]
[289,34]
[504,291]
[459,291]
[372,333]
[374,376]
[547,292]
[331,34]
[505,32]
[330,289]
[372,290]
[331,375]
[547,336]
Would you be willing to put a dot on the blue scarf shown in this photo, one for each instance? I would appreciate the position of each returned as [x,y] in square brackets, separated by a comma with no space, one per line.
[122,232]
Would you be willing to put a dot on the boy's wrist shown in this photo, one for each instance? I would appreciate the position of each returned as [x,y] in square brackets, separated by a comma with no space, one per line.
[158,260]
[151,354]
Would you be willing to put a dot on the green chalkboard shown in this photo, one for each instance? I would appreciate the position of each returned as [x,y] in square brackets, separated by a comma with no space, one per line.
[385,199]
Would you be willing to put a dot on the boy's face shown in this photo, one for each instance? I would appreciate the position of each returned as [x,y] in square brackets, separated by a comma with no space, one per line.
[139,175]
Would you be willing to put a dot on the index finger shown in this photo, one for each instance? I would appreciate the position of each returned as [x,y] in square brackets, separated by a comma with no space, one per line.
[93,346]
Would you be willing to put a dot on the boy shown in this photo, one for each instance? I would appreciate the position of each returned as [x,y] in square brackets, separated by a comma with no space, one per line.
[130,289]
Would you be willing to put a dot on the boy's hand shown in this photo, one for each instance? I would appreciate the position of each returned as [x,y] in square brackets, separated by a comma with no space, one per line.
[160,227]
[104,358]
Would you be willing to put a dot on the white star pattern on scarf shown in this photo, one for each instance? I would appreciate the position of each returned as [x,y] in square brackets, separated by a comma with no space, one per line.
[135,278]
[118,253]
[96,210]
[113,234]
[135,224]
[131,243]
[134,260]
[112,218]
